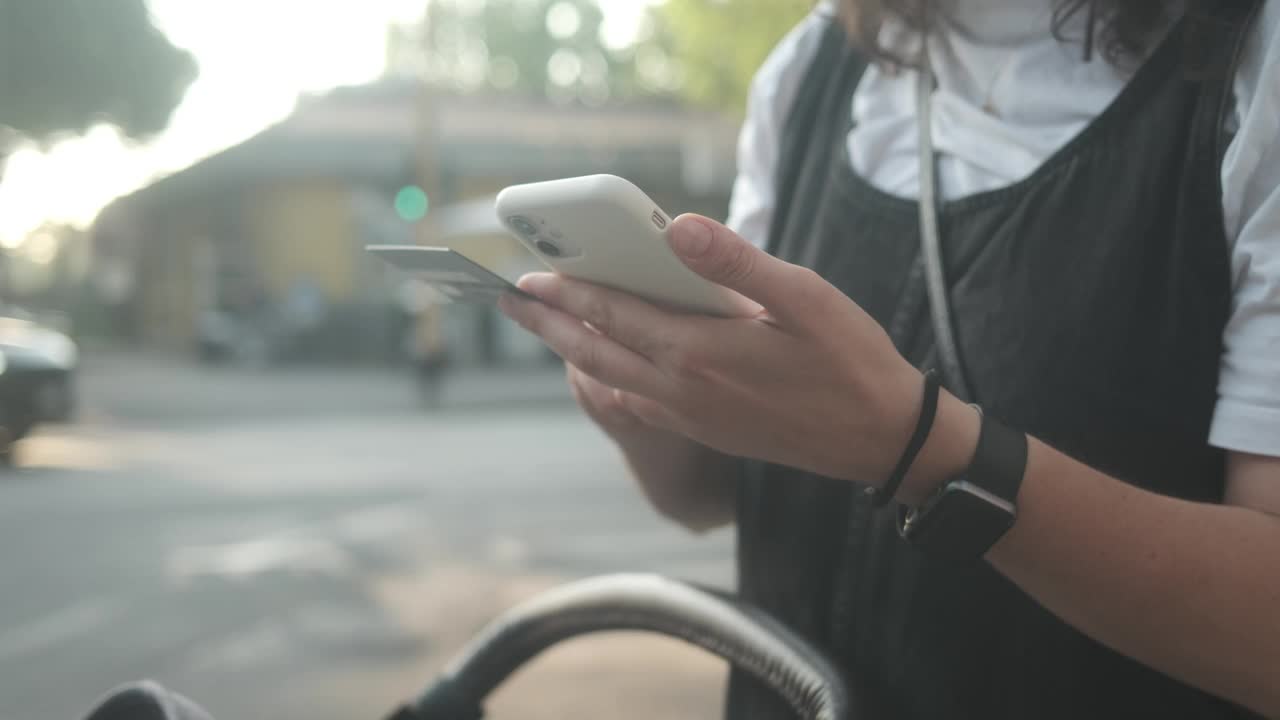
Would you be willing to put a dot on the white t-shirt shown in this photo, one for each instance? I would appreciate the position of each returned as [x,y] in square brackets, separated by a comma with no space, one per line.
[1042,95]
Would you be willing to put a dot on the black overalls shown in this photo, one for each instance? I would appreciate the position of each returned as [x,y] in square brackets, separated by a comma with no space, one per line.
[1090,301]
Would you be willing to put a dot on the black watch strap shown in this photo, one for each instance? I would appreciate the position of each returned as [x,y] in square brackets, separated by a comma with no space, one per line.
[1000,460]
[970,513]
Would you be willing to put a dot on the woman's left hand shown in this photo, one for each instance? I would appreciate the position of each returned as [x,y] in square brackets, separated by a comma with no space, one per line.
[803,378]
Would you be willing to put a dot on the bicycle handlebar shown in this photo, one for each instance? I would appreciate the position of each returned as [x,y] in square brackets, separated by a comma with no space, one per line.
[745,636]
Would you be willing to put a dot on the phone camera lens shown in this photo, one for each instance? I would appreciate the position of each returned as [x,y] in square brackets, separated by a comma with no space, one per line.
[546,247]
[523,225]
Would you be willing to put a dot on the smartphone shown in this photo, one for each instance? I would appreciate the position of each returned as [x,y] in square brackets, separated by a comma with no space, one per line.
[605,230]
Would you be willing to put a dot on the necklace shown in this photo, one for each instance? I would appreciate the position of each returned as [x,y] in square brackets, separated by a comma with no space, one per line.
[988,100]
[1010,49]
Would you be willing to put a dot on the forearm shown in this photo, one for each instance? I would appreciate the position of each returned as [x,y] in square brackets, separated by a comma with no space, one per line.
[685,481]
[1190,589]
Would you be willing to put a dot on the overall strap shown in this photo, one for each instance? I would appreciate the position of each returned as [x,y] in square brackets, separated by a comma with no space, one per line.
[1215,36]
[834,64]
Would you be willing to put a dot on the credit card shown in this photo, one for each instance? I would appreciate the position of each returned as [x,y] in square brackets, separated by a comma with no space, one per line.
[452,274]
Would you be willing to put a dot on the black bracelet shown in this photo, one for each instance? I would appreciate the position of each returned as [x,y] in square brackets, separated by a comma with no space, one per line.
[928,411]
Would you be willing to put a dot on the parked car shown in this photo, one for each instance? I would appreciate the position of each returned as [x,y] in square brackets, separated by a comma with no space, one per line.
[37,378]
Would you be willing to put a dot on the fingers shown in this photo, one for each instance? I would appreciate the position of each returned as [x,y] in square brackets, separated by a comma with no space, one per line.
[651,412]
[591,352]
[599,400]
[617,409]
[636,324]
[715,252]
[677,344]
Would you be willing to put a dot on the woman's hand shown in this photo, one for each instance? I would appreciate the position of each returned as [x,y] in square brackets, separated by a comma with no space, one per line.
[804,378]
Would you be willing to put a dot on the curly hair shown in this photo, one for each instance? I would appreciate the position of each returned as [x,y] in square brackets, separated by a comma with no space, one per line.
[1125,27]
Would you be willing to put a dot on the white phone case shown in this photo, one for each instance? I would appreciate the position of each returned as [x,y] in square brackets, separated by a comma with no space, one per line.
[605,230]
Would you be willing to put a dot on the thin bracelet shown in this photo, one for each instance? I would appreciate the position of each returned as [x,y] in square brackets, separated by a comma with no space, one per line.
[928,411]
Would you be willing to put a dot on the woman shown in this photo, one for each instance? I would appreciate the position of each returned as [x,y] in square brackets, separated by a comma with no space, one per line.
[424,339]
[1102,540]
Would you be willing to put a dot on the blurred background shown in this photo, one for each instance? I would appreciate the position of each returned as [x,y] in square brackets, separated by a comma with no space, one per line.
[243,458]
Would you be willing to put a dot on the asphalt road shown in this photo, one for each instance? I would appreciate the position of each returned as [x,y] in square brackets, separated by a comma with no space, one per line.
[313,544]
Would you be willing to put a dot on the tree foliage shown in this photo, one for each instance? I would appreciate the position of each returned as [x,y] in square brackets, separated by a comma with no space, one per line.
[67,64]
[702,50]
[534,47]
[719,45]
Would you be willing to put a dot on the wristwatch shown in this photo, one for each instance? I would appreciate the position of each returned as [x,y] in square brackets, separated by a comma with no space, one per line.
[971,512]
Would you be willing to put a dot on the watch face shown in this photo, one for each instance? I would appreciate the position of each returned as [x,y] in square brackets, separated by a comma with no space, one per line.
[962,522]
[968,488]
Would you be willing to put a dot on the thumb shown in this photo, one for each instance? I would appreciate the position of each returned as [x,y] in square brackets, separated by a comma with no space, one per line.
[722,256]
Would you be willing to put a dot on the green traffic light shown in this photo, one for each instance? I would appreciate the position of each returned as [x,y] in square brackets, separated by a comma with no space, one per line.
[411,203]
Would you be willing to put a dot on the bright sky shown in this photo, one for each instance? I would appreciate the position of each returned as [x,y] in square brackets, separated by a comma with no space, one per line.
[255,57]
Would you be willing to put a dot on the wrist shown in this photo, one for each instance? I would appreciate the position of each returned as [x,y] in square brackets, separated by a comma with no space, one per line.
[947,452]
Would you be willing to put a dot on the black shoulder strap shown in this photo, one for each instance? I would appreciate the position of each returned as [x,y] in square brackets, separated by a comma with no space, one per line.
[834,62]
[1216,32]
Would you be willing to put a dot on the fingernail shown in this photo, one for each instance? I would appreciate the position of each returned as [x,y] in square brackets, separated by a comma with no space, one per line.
[539,284]
[691,238]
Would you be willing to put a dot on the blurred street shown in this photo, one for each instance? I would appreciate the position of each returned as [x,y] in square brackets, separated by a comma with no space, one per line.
[313,543]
